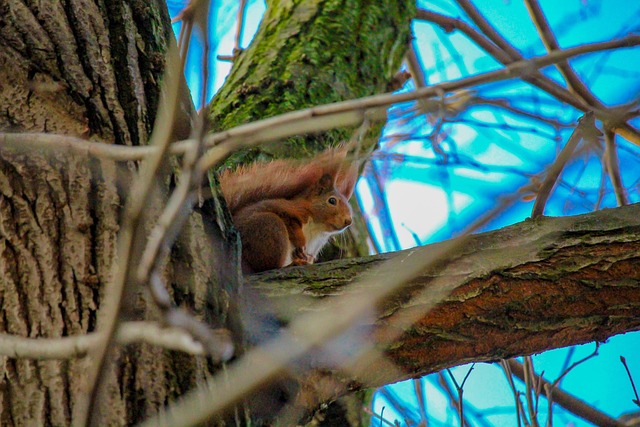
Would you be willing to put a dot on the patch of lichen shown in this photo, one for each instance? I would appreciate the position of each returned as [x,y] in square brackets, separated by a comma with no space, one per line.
[312,52]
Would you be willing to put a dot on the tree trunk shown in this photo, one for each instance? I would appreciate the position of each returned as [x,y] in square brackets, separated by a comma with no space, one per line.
[89,69]
[312,52]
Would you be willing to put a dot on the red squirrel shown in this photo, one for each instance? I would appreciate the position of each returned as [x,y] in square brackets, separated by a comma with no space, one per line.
[286,210]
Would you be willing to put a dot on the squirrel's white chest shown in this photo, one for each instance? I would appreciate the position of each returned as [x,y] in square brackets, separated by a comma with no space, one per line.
[316,236]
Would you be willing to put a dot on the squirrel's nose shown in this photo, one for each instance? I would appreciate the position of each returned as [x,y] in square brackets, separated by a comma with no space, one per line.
[347,222]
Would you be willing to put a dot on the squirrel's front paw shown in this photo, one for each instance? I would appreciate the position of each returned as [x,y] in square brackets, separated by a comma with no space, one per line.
[300,257]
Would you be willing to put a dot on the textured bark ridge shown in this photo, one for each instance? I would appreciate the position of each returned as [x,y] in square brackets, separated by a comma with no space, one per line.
[82,67]
[58,227]
[58,231]
[520,290]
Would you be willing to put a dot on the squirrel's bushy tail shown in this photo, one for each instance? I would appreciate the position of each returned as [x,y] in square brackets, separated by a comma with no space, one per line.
[287,178]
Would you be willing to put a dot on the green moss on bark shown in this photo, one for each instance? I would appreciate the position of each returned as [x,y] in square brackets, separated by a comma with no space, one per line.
[309,53]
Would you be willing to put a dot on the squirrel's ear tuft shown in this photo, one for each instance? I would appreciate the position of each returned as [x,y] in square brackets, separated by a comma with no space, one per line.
[347,179]
[326,183]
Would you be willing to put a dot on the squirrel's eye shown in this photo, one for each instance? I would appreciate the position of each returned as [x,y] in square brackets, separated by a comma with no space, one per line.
[332,201]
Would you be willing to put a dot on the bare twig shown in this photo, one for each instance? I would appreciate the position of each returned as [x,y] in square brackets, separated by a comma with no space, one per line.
[413,63]
[219,346]
[454,398]
[205,28]
[478,416]
[627,132]
[488,30]
[549,40]
[511,52]
[173,217]
[506,105]
[238,37]
[494,44]
[520,415]
[349,113]
[240,26]
[380,417]
[633,385]
[530,381]
[449,24]
[400,406]
[612,167]
[79,346]
[567,401]
[574,81]
[577,363]
[460,391]
[54,142]
[420,398]
[586,126]
[503,56]
[184,41]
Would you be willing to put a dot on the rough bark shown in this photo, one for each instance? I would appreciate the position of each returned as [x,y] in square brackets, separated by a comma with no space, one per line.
[82,67]
[524,289]
[90,69]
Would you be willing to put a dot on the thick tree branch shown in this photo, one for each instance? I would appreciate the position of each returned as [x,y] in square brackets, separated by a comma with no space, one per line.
[524,289]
